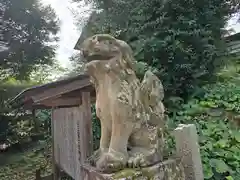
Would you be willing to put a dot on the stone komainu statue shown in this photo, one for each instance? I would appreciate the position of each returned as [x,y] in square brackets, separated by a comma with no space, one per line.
[131,112]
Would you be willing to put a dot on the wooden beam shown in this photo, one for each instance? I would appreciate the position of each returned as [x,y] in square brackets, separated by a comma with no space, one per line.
[65,101]
[77,93]
[55,92]
[61,102]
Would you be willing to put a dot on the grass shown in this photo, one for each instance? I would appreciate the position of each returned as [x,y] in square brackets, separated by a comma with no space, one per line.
[23,165]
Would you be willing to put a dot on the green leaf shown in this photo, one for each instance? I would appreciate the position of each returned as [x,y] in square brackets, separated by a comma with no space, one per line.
[222,143]
[207,171]
[229,178]
[236,135]
[219,165]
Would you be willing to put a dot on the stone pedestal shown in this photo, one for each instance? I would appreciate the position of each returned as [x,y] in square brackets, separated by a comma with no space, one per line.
[168,170]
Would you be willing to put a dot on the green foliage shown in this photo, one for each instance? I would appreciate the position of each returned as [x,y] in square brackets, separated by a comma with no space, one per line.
[28,30]
[30,147]
[20,130]
[218,134]
[77,63]
[181,39]
[96,129]
[18,127]
[10,88]
[23,165]
[47,73]
[231,71]
[24,128]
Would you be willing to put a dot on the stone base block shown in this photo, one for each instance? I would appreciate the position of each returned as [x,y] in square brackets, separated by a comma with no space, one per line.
[168,170]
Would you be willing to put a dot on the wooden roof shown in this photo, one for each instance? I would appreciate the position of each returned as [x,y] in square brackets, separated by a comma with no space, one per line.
[87,29]
[62,93]
[233,37]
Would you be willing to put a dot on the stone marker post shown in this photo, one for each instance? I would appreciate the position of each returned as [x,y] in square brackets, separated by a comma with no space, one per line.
[188,150]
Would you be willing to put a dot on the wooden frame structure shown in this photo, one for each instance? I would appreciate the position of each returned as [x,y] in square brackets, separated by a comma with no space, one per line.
[70,100]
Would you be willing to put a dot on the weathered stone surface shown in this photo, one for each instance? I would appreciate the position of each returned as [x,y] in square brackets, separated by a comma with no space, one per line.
[188,150]
[168,170]
[131,112]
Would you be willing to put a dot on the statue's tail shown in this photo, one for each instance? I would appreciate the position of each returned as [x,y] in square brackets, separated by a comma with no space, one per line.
[152,94]
[152,86]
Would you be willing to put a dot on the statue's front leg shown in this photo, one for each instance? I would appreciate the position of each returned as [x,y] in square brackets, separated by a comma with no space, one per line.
[105,137]
[117,155]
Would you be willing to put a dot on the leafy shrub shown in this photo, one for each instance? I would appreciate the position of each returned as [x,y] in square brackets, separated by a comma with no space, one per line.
[219,136]
[20,131]
[231,71]
[15,125]
[10,88]
[23,165]
[96,129]
[182,39]
[22,128]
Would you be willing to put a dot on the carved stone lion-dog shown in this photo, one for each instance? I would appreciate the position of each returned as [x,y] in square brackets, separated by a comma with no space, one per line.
[131,112]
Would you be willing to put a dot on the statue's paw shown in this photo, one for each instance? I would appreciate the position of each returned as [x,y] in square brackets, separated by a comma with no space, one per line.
[137,161]
[96,156]
[140,157]
[100,152]
[111,162]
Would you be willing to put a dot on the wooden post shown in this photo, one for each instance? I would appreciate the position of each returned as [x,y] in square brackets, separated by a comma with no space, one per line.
[56,170]
[38,174]
[34,121]
[85,133]
[86,126]
[188,150]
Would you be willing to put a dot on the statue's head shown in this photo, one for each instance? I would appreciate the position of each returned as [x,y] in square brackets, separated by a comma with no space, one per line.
[106,47]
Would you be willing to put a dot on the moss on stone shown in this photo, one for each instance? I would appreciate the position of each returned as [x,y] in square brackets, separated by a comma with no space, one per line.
[170,170]
[133,174]
[126,173]
[148,174]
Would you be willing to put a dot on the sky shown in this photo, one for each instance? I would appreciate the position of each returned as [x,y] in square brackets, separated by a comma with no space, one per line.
[69,33]
[233,23]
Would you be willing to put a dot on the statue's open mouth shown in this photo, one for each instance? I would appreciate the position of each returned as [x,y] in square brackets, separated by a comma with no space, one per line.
[97,57]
